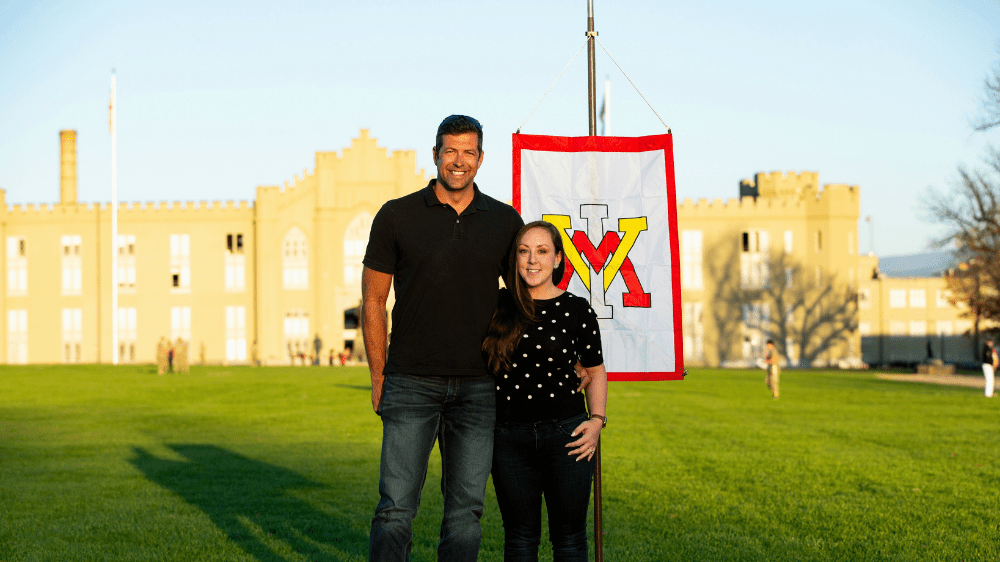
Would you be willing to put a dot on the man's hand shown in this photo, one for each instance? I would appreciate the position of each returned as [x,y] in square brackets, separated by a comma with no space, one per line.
[583,375]
[377,394]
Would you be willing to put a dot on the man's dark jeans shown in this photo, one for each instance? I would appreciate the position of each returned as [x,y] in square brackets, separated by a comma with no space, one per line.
[531,459]
[459,412]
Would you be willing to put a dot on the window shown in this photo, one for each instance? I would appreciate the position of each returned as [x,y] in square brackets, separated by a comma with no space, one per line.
[897,328]
[297,335]
[864,298]
[963,326]
[72,334]
[789,277]
[72,266]
[754,267]
[295,261]
[694,331]
[897,298]
[355,243]
[944,328]
[180,263]
[918,328]
[17,266]
[691,272]
[236,333]
[127,334]
[126,263]
[17,337]
[864,328]
[180,323]
[819,240]
[819,276]
[918,298]
[235,263]
[756,327]
[943,298]
[788,241]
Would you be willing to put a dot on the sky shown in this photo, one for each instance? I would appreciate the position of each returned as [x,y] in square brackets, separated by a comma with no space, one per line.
[217,98]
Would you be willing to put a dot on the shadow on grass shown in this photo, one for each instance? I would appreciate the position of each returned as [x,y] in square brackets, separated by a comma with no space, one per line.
[251,502]
[365,387]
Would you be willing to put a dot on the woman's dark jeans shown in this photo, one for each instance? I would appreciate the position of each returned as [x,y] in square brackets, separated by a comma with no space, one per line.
[529,460]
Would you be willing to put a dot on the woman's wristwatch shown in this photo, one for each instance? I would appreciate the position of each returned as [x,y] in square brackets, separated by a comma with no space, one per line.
[604,419]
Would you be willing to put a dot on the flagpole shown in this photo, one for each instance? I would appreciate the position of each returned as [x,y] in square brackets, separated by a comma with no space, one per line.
[592,109]
[114,225]
[591,84]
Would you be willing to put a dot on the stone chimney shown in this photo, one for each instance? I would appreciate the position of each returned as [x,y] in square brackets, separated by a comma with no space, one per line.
[67,167]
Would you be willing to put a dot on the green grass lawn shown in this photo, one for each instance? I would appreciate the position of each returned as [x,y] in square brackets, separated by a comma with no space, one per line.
[281,464]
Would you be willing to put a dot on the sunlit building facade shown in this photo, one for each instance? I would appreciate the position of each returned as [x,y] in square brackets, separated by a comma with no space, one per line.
[238,281]
[756,268]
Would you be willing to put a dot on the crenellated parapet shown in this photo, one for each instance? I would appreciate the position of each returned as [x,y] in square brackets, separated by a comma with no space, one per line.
[781,184]
[135,210]
[775,195]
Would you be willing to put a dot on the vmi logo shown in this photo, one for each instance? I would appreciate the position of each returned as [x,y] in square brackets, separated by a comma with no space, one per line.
[597,277]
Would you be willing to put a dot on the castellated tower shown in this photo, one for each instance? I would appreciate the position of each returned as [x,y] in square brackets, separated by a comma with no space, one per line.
[67,167]
[750,265]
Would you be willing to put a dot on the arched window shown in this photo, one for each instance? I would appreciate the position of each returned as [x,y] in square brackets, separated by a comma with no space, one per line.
[355,244]
[295,260]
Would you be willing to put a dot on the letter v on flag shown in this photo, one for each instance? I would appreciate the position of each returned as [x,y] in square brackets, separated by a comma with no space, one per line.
[613,199]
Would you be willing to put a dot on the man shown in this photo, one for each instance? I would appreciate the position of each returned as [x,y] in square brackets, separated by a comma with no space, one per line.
[773,370]
[443,249]
[989,365]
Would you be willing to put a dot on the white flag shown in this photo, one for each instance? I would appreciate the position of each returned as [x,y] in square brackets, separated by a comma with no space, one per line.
[613,198]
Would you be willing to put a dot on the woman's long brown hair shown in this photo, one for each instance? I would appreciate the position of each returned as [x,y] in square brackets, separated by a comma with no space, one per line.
[515,307]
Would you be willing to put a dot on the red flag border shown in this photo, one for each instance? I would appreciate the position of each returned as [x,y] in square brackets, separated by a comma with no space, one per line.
[545,143]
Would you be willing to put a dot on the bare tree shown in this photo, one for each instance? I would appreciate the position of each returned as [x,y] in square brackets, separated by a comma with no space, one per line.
[778,298]
[991,102]
[971,215]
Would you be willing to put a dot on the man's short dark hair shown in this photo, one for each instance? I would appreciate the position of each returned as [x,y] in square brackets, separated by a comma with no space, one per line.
[770,342]
[457,125]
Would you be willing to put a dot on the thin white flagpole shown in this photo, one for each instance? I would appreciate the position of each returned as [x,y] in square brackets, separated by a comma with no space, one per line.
[114,226]
[606,110]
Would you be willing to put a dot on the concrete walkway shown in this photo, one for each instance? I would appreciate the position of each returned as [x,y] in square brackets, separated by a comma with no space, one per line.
[951,380]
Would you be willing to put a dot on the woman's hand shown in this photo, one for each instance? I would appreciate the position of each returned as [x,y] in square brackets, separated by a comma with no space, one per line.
[589,432]
[583,375]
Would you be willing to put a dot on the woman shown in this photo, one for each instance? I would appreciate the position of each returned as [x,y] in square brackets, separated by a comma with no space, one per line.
[545,440]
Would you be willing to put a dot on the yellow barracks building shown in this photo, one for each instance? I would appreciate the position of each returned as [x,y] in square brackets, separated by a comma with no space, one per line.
[267,280]
[781,263]
[238,281]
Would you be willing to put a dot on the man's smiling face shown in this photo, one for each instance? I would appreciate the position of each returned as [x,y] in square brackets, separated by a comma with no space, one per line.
[457,161]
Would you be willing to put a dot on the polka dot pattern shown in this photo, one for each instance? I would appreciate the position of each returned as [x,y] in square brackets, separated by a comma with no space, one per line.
[547,353]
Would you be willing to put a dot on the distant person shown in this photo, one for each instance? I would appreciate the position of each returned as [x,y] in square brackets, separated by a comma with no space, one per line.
[180,356]
[162,363]
[543,429]
[773,369]
[444,249]
[989,365]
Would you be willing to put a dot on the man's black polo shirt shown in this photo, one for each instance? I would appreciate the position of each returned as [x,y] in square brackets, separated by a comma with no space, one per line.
[445,268]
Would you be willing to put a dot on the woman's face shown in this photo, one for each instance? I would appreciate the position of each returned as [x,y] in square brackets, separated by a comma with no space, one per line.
[536,258]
